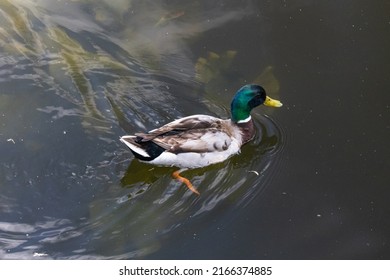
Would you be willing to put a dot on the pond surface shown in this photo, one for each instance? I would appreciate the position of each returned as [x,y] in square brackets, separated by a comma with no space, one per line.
[77,75]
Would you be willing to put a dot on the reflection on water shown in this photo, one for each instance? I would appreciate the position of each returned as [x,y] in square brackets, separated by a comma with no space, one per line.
[75,75]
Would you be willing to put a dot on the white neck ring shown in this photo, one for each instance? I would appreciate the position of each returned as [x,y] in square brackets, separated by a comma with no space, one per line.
[245,120]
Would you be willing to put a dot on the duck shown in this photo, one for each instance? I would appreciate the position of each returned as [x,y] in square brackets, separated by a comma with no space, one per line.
[201,140]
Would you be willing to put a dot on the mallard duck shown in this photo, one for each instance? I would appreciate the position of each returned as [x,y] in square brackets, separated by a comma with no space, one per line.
[200,140]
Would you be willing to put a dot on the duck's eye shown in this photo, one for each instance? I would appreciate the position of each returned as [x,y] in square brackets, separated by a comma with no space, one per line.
[256,101]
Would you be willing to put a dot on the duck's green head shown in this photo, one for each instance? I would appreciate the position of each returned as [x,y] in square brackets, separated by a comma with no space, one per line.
[247,98]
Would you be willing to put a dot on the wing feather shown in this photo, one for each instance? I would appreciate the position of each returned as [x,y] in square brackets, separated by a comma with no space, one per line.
[198,133]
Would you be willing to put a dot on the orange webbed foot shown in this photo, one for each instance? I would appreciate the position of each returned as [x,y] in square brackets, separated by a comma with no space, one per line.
[187,182]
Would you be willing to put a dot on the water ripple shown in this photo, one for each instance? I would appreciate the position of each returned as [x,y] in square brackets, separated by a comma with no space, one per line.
[76,75]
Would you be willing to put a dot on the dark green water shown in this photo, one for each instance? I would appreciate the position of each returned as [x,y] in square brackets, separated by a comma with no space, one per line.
[77,75]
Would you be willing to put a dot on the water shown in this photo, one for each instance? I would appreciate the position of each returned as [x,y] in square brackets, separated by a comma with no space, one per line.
[76,75]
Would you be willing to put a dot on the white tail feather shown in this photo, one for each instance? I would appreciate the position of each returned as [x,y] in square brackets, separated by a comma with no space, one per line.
[133,147]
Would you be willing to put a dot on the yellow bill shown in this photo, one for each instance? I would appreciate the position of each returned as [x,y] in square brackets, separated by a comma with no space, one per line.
[272,102]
